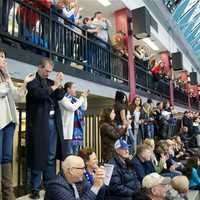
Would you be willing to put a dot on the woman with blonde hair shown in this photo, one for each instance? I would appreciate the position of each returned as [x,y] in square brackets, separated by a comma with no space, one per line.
[158,165]
[148,121]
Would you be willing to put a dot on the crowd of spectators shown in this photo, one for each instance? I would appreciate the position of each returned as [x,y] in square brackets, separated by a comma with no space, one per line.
[151,147]
[142,141]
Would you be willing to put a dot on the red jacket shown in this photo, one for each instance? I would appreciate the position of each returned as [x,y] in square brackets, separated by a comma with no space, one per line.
[155,69]
[29,16]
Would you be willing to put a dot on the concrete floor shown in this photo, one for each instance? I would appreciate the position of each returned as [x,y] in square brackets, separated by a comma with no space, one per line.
[27,198]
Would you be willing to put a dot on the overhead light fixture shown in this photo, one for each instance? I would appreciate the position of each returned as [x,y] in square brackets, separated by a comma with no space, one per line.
[104,2]
[151,44]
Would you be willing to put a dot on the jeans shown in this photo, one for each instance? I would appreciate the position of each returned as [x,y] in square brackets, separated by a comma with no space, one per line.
[149,131]
[71,148]
[76,148]
[171,174]
[50,172]
[6,143]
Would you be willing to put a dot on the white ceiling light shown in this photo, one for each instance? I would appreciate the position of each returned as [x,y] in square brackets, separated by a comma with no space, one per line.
[151,44]
[104,2]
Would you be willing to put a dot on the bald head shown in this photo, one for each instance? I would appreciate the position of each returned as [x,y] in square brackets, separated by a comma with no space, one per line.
[73,162]
[73,168]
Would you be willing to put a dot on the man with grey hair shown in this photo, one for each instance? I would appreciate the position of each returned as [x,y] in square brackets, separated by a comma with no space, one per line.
[69,183]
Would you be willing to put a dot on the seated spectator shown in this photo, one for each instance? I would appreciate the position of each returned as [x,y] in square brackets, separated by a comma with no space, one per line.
[141,195]
[91,163]
[142,161]
[179,149]
[69,183]
[109,133]
[171,166]
[191,171]
[155,186]
[158,164]
[124,180]
[181,185]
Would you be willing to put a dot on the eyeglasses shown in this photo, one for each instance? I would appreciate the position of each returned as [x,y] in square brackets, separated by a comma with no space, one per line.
[81,168]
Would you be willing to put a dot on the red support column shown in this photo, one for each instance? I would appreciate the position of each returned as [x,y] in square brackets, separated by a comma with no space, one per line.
[131,64]
[123,19]
[171,92]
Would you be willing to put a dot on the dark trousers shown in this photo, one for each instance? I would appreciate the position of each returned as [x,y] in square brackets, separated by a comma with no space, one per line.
[6,143]
[5,11]
[50,172]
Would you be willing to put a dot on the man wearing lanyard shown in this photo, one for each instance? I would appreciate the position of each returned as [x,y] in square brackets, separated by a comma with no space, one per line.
[44,125]
[69,184]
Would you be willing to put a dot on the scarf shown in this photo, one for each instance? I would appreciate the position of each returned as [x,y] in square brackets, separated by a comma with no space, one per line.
[78,124]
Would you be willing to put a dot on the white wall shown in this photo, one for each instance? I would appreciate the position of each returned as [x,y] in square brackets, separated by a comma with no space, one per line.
[19,70]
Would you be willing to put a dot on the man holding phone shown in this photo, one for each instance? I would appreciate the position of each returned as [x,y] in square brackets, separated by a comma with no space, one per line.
[73,110]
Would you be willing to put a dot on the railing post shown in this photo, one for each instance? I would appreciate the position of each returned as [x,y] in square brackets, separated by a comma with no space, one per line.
[198,100]
[50,33]
[189,101]
[171,88]
[131,64]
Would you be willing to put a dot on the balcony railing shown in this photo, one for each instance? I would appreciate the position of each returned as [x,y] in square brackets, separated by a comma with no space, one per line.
[144,81]
[45,31]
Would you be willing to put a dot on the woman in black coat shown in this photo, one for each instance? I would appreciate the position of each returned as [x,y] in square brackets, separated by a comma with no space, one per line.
[109,133]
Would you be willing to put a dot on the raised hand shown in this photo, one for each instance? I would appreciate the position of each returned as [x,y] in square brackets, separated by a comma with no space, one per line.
[29,78]
[85,93]
[99,177]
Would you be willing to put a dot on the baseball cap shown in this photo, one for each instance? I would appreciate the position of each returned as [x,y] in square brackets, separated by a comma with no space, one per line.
[180,184]
[122,144]
[154,179]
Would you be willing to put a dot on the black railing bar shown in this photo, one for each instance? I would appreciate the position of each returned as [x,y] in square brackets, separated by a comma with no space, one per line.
[83,64]
[92,41]
[152,91]
[67,27]
[13,20]
[58,14]
[17,39]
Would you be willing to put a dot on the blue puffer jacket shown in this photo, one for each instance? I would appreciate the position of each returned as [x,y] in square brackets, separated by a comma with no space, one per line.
[123,182]
[60,189]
